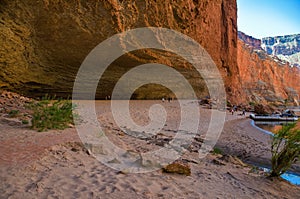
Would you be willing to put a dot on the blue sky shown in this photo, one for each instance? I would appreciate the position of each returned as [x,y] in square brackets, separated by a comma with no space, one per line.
[263,18]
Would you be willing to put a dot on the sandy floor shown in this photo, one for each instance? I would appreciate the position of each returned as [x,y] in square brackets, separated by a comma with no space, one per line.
[54,164]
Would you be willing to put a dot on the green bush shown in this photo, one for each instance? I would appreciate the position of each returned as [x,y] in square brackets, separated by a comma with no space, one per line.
[252,103]
[217,151]
[25,122]
[51,113]
[285,149]
[13,113]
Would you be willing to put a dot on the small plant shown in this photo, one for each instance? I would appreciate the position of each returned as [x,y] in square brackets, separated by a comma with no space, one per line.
[254,169]
[252,103]
[285,149]
[51,113]
[25,122]
[217,151]
[228,103]
[13,113]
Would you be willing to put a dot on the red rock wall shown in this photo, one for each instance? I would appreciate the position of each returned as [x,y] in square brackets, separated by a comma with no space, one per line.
[43,42]
[263,79]
[250,41]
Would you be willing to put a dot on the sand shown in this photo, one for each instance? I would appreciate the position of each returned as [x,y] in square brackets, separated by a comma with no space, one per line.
[54,164]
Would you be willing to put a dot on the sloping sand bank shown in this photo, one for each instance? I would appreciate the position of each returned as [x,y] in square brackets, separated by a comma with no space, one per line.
[55,165]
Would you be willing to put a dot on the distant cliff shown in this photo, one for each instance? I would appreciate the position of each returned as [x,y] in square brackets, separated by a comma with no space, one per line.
[249,40]
[285,47]
[43,43]
[266,78]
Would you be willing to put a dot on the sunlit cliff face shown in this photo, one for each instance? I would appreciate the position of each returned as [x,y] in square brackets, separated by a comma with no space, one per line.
[42,52]
[266,77]
[43,43]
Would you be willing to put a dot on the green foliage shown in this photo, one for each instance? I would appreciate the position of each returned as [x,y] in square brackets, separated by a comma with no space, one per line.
[285,149]
[252,103]
[217,151]
[25,122]
[13,113]
[228,103]
[254,169]
[51,113]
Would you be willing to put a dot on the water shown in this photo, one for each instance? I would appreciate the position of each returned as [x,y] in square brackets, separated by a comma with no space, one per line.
[291,177]
[271,128]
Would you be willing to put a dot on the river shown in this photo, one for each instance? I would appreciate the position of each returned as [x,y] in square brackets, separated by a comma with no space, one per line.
[271,128]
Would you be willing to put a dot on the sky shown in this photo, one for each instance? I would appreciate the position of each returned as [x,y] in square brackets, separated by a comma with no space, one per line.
[269,18]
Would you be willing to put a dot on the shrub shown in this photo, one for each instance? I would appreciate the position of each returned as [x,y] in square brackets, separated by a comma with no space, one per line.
[285,149]
[228,103]
[51,113]
[217,151]
[25,122]
[252,103]
[13,113]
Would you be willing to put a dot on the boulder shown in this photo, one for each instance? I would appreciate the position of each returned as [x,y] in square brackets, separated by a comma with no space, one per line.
[178,167]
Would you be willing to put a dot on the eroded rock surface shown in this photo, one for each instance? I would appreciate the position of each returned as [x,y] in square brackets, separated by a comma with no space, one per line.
[43,43]
[264,78]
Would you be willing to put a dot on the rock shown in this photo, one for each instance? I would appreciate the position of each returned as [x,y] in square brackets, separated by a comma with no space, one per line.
[262,77]
[96,149]
[43,43]
[178,167]
[11,121]
[42,52]
[218,162]
[233,160]
[263,109]
[250,41]
[114,161]
[194,161]
[194,147]
[13,105]
[287,47]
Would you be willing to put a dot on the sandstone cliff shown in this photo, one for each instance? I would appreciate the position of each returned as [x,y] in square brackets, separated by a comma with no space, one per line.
[265,78]
[44,42]
[249,41]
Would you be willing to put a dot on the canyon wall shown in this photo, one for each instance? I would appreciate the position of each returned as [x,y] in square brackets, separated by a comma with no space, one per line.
[266,78]
[43,42]
[249,41]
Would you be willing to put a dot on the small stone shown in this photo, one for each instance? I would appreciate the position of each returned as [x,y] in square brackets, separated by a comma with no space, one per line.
[233,160]
[178,167]
[114,161]
[218,162]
